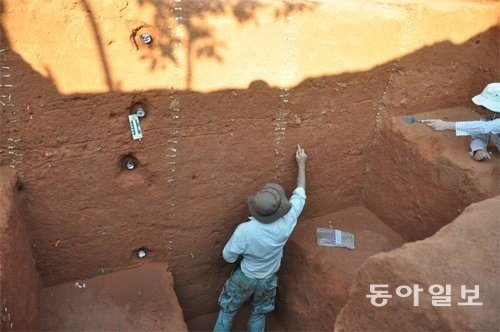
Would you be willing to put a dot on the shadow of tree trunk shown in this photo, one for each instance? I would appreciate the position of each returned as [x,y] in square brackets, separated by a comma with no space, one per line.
[98,39]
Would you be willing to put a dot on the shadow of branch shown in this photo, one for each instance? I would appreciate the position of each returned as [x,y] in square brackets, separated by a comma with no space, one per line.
[200,40]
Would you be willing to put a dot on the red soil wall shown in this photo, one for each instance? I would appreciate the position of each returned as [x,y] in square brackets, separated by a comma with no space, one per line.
[19,285]
[421,180]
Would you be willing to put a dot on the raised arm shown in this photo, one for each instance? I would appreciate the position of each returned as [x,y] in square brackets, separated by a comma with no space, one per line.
[298,199]
[301,158]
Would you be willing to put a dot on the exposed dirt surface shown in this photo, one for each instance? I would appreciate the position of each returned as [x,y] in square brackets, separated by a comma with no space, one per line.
[314,281]
[19,284]
[464,252]
[216,130]
[422,179]
[78,193]
[457,169]
[138,299]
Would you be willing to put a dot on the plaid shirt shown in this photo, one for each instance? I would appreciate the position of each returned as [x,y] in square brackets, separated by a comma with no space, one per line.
[261,245]
[480,132]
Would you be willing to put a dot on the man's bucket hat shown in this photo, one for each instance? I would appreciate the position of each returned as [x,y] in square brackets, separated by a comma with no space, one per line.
[489,98]
[269,204]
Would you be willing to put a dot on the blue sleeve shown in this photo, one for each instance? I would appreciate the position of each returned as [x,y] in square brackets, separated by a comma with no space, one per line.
[234,247]
[465,128]
[478,142]
[298,200]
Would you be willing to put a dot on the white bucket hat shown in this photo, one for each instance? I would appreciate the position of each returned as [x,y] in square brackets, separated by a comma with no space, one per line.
[489,98]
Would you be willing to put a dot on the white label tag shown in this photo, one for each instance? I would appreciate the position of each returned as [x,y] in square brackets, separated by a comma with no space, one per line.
[329,237]
[135,126]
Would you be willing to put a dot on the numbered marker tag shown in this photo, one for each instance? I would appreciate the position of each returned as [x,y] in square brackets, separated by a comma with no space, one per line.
[135,126]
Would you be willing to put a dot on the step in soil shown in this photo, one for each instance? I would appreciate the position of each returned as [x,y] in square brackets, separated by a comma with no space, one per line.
[314,281]
[453,151]
[138,299]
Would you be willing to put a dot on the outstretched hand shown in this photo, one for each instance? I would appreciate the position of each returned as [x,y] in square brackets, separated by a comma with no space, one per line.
[300,156]
[440,125]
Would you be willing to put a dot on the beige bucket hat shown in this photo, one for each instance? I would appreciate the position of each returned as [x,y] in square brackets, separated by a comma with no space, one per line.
[269,203]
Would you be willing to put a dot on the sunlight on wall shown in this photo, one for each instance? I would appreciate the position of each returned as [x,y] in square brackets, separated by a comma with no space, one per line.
[88,48]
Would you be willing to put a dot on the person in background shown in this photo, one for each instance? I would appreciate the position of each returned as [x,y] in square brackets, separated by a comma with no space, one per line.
[259,243]
[489,126]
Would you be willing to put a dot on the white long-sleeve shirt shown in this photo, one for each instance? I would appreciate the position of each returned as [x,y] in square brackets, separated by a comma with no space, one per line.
[260,244]
[466,128]
[480,131]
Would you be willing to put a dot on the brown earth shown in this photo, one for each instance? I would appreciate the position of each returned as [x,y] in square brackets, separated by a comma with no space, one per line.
[422,179]
[141,298]
[66,132]
[19,285]
[464,252]
[314,281]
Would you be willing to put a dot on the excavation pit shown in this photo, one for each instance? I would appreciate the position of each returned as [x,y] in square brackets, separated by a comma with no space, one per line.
[221,121]
[313,280]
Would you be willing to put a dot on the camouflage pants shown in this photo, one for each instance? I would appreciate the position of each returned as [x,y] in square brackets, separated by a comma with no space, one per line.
[238,289]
